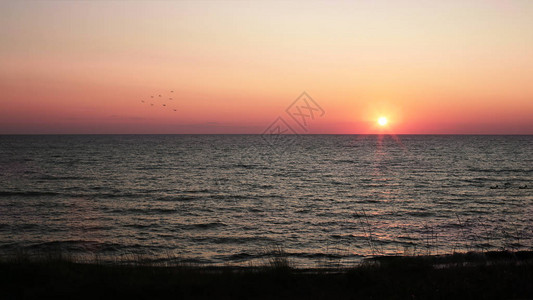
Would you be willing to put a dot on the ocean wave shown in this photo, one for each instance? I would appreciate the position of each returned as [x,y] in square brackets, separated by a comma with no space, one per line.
[230,197]
[275,253]
[145,211]
[420,213]
[205,225]
[178,198]
[27,193]
[117,194]
[52,177]
[141,226]
[231,239]
[75,245]
[526,171]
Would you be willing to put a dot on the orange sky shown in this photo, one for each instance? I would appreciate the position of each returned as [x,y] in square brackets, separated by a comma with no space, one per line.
[431,67]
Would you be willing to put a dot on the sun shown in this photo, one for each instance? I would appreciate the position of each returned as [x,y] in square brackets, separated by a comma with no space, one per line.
[382,121]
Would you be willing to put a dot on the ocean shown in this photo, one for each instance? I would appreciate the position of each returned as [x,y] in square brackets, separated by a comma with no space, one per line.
[322,200]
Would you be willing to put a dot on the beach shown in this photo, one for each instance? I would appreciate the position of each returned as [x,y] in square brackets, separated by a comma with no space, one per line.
[492,275]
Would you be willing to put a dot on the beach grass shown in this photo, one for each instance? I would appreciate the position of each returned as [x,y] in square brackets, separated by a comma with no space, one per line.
[489,275]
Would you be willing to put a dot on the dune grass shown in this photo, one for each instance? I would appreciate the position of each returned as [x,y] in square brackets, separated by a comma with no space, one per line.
[416,273]
[490,275]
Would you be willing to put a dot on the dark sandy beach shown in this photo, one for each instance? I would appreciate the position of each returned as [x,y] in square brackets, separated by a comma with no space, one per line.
[492,275]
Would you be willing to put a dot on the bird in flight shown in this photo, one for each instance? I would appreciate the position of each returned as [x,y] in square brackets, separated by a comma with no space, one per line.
[161,96]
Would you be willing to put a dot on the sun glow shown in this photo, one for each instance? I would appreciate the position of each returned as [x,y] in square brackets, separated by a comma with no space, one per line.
[382,121]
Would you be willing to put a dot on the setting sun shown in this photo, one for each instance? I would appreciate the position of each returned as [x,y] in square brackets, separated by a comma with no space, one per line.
[382,121]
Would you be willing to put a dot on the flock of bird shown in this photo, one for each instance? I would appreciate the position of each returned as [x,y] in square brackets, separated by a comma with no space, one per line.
[159,97]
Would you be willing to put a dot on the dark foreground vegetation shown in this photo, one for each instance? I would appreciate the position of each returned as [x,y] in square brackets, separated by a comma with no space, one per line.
[492,275]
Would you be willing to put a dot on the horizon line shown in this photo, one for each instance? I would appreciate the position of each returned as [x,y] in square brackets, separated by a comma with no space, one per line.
[303,134]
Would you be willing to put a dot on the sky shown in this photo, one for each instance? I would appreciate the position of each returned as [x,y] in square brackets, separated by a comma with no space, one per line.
[429,67]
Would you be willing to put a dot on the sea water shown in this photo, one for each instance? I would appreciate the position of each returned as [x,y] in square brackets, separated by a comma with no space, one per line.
[238,199]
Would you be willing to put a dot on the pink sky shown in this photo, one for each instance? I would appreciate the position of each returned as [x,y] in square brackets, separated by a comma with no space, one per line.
[430,67]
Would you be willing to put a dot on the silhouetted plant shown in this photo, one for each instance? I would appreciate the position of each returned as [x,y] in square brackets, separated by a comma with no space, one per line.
[279,259]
